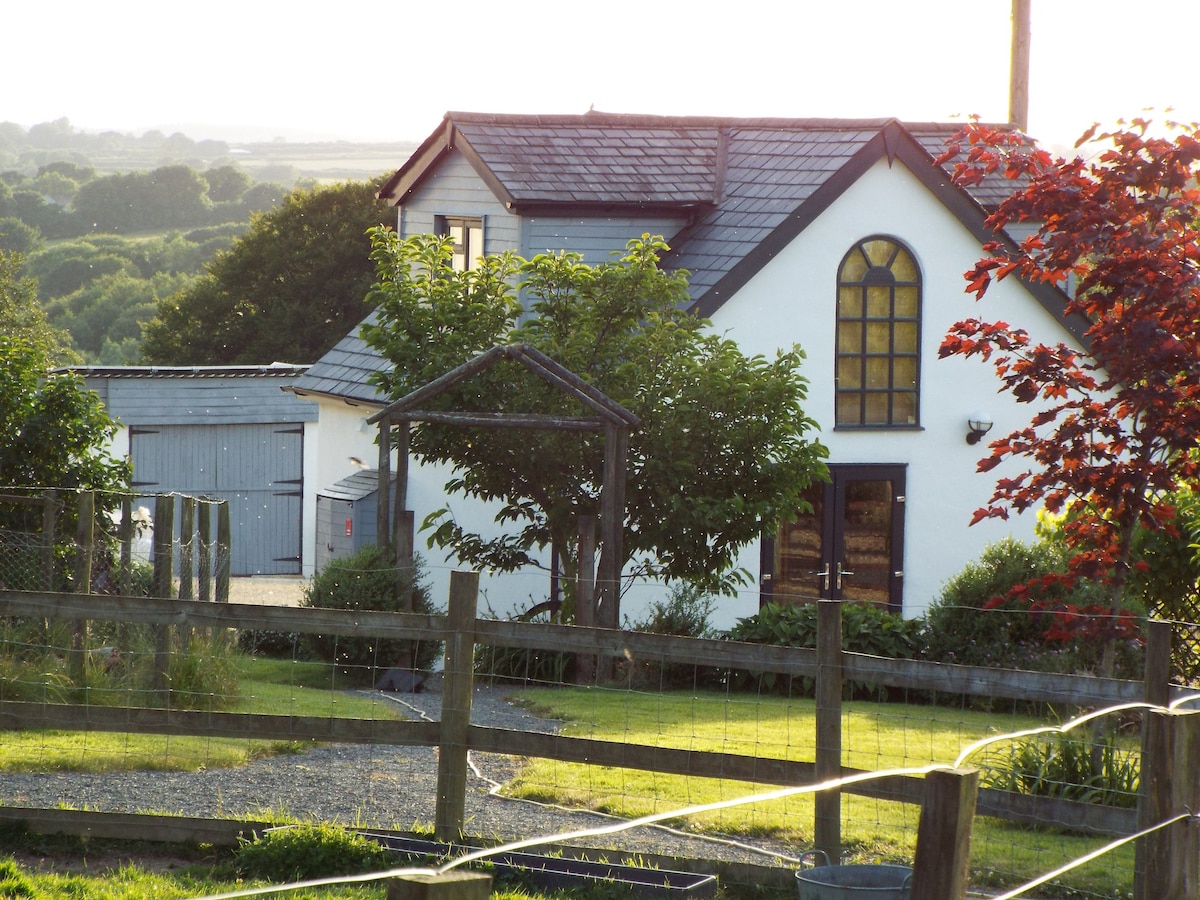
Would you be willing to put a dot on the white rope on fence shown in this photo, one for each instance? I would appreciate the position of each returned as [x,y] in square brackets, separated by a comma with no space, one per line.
[1088,857]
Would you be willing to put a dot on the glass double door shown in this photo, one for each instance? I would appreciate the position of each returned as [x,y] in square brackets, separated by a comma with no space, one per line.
[851,547]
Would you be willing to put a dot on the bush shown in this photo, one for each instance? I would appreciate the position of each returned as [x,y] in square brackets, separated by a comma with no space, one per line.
[974,622]
[368,580]
[275,644]
[118,672]
[1070,768]
[865,629]
[685,613]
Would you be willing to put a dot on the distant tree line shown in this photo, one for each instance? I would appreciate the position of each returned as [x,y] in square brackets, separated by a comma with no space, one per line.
[66,200]
[188,261]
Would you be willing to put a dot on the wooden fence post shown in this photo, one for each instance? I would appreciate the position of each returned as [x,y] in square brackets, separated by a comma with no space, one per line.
[405,579]
[204,563]
[1157,674]
[187,547]
[224,549]
[585,596]
[164,535]
[49,526]
[383,515]
[450,810]
[827,827]
[125,566]
[125,553]
[83,581]
[942,865]
[1167,861]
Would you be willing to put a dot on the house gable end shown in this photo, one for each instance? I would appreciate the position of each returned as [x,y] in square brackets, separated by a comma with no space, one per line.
[892,142]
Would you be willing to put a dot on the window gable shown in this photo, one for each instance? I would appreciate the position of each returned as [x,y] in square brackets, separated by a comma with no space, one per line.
[877,354]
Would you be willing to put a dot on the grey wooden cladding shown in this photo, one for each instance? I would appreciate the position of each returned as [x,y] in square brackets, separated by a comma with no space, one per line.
[258,469]
[185,396]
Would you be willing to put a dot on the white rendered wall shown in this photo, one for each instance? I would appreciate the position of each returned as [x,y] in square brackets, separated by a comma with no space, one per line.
[792,300]
[344,434]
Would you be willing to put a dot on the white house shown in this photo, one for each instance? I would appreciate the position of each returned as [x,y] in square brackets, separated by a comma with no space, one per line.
[842,236]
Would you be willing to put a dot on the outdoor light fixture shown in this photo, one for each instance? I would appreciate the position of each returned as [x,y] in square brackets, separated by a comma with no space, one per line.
[978,424]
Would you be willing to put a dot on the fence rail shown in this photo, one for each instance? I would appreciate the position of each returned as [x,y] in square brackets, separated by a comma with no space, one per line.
[1067,690]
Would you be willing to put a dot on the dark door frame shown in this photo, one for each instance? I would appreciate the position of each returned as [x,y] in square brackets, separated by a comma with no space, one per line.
[832,549]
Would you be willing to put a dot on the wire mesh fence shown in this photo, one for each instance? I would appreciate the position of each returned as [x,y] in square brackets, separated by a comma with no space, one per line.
[214,710]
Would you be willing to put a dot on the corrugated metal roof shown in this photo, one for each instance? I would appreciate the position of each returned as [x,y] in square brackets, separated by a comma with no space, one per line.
[286,370]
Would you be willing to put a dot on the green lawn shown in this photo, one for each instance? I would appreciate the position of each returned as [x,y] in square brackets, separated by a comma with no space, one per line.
[875,737]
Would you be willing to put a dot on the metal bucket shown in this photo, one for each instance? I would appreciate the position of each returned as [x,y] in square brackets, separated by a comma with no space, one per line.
[880,882]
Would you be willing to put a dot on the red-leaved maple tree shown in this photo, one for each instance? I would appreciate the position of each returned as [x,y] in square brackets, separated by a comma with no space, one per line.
[1118,418]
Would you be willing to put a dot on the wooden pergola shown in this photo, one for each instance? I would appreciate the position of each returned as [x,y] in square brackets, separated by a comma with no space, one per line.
[610,417]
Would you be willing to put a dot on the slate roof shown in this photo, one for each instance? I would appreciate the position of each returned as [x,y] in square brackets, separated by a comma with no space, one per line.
[748,186]
[343,372]
[354,487]
[577,162]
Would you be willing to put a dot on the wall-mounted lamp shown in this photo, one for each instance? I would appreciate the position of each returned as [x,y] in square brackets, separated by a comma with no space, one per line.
[978,424]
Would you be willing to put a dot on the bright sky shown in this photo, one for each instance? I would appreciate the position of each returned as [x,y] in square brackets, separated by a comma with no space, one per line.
[387,71]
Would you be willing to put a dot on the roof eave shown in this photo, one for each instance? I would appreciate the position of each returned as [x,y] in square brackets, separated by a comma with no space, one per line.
[542,207]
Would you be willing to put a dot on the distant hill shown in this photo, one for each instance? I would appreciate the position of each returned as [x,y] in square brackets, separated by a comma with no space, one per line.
[111,224]
[26,151]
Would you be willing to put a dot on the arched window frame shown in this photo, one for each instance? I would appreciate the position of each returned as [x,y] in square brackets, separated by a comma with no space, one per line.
[877,356]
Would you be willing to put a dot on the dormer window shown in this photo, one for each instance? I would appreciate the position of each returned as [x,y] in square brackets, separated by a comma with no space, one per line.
[467,235]
[878,337]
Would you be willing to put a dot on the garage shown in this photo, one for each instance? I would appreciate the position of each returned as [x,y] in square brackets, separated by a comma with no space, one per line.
[226,432]
[257,468]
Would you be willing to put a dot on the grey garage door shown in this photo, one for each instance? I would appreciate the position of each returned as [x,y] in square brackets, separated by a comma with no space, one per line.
[257,468]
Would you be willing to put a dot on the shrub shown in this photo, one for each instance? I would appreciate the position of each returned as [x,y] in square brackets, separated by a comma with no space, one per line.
[865,629]
[368,580]
[303,852]
[276,644]
[975,622]
[684,613]
[1070,768]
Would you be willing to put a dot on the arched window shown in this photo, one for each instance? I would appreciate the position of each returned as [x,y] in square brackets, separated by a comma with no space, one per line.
[878,336]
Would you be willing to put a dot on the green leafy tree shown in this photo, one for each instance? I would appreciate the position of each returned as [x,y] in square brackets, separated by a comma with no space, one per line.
[112,310]
[33,209]
[22,318]
[167,197]
[53,433]
[724,448]
[288,289]
[226,183]
[17,237]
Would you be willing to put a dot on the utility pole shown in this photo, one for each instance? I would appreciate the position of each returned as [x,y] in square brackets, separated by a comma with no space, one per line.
[1018,79]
